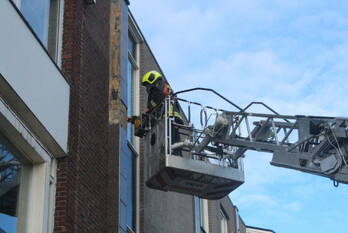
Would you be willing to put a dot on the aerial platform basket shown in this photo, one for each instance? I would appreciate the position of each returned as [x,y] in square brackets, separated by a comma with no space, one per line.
[203,157]
[190,171]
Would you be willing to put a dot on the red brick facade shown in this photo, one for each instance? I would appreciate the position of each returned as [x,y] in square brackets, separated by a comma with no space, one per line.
[82,184]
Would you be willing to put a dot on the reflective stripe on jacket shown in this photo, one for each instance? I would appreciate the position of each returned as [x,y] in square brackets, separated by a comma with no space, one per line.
[175,112]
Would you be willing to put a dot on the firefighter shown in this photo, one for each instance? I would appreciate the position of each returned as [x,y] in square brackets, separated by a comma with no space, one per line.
[158,89]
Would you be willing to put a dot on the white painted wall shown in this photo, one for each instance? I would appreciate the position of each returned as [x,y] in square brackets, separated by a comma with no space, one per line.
[27,68]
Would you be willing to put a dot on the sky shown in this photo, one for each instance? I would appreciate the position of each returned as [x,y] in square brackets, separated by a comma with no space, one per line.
[290,54]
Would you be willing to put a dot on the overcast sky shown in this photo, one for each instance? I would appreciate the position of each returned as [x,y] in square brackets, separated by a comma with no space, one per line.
[291,54]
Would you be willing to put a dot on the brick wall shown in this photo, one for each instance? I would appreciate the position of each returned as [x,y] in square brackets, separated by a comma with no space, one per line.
[82,177]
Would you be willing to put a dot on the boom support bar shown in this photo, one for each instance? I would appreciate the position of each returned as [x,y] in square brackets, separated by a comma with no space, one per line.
[312,144]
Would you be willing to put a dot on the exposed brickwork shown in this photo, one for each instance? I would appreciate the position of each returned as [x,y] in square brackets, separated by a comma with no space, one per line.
[116,117]
[118,111]
[82,177]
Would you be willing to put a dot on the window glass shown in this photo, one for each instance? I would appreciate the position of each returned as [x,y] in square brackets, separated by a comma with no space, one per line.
[128,165]
[9,187]
[130,98]
[36,13]
[131,46]
[130,82]
[127,186]
[197,214]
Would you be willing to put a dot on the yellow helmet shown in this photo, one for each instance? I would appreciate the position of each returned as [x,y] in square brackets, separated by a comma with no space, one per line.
[151,77]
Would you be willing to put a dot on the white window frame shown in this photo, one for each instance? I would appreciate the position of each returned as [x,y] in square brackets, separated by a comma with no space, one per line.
[59,33]
[36,199]
[204,215]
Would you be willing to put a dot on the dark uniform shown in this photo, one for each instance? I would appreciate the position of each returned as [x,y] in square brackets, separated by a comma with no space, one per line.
[157,92]
[156,95]
[157,89]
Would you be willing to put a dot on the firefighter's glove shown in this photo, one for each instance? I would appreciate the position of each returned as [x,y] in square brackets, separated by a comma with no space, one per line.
[132,119]
[137,123]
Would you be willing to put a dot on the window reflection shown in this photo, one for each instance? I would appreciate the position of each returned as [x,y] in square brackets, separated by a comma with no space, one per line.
[37,13]
[9,188]
[130,98]
[130,82]
[128,161]
[132,46]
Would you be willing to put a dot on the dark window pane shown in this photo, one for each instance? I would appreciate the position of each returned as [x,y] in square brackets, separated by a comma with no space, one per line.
[130,99]
[36,13]
[131,45]
[9,186]
[127,197]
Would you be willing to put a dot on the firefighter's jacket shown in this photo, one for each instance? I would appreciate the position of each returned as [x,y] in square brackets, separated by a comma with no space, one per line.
[156,95]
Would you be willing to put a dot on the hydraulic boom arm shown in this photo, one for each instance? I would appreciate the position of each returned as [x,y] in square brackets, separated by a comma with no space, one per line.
[317,145]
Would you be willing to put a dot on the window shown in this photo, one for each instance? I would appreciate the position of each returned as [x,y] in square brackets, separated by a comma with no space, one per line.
[27,178]
[130,98]
[131,81]
[201,215]
[204,216]
[223,221]
[127,197]
[10,169]
[131,45]
[55,30]
[129,176]
[45,18]
[37,14]
[197,214]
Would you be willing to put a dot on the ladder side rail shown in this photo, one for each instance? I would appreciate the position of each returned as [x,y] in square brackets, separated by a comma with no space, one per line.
[166,126]
[250,145]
